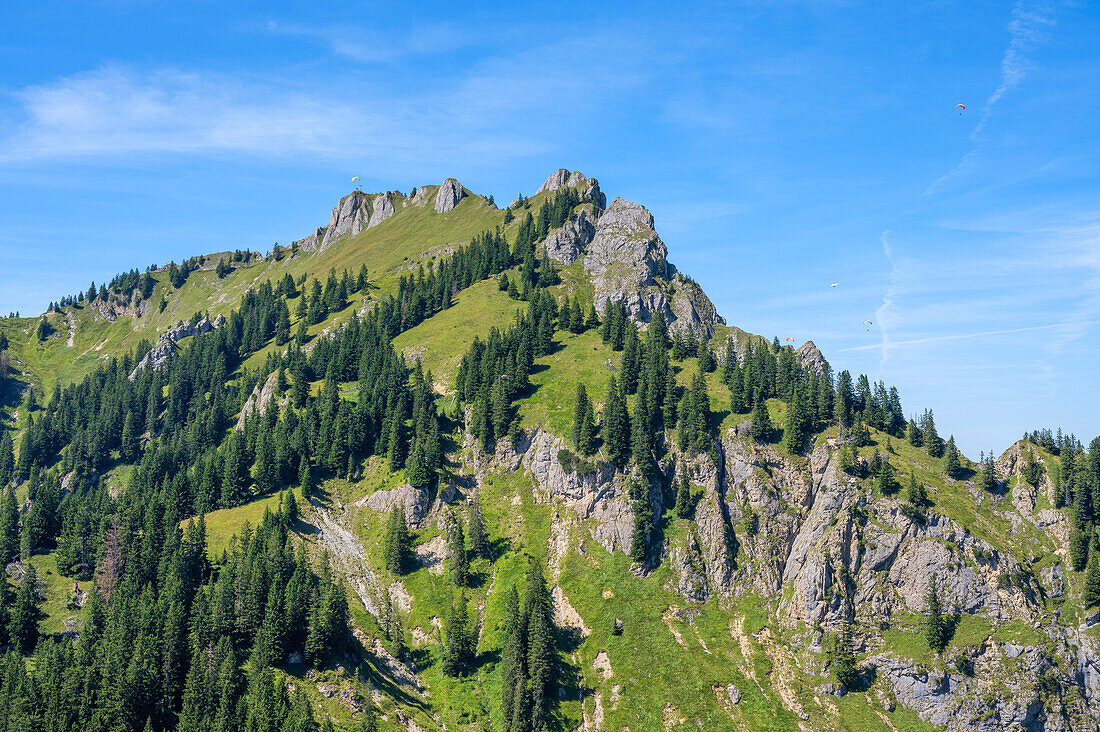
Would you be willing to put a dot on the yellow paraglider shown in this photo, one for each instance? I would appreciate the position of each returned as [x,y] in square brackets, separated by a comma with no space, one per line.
[868,323]
[355,180]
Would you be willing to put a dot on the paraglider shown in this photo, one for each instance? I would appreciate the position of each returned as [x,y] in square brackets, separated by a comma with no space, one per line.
[868,323]
[960,106]
[834,284]
[355,180]
[790,340]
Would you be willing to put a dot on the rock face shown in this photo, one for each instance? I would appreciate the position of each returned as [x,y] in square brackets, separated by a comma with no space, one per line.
[627,262]
[350,216]
[810,358]
[382,209]
[162,350]
[561,178]
[448,195]
[823,551]
[312,241]
[258,401]
[565,244]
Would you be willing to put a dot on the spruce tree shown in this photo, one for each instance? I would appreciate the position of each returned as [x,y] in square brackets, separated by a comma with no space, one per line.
[937,631]
[479,538]
[616,427]
[396,542]
[683,498]
[541,661]
[513,708]
[458,647]
[843,660]
[1091,594]
[26,613]
[584,428]
[761,427]
[458,563]
[305,477]
[951,464]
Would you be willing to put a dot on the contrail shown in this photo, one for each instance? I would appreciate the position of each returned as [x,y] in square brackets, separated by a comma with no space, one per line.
[964,336]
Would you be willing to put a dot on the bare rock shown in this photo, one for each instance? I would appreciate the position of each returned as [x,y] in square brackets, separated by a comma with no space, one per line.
[811,358]
[627,262]
[350,216]
[448,195]
[158,356]
[381,209]
[415,503]
[565,244]
[311,242]
[561,178]
[259,400]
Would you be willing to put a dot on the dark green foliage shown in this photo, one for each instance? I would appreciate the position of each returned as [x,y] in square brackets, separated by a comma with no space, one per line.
[479,537]
[1090,596]
[397,542]
[938,628]
[584,423]
[694,417]
[25,613]
[683,498]
[842,660]
[458,562]
[460,639]
[761,427]
[986,479]
[885,478]
[1032,470]
[951,464]
[616,424]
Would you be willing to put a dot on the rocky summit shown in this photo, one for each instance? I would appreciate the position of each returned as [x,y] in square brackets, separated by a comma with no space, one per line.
[441,465]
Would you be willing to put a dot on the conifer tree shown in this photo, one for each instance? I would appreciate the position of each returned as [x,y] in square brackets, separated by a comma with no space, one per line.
[479,538]
[683,498]
[616,427]
[937,631]
[458,563]
[843,660]
[26,613]
[396,542]
[9,527]
[1079,544]
[458,647]
[513,708]
[761,427]
[305,477]
[584,427]
[1091,594]
[951,464]
[540,643]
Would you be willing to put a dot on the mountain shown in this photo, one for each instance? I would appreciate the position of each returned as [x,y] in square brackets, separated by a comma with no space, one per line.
[236,488]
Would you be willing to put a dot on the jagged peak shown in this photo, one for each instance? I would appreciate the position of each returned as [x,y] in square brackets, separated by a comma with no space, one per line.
[562,178]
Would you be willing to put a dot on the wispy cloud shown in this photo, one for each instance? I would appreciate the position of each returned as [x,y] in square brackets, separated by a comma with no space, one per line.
[485,111]
[364,44]
[1071,325]
[1026,32]
[885,315]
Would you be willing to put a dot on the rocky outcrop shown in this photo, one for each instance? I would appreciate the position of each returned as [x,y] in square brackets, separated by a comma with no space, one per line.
[162,350]
[259,400]
[561,178]
[381,209]
[448,195]
[811,358]
[415,503]
[566,243]
[311,242]
[627,262]
[350,216]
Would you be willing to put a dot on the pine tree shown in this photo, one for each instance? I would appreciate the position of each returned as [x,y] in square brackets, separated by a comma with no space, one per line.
[479,538]
[951,464]
[458,563]
[1091,594]
[937,631]
[1079,544]
[513,708]
[584,427]
[843,660]
[396,543]
[761,427]
[616,426]
[987,478]
[683,498]
[9,528]
[458,648]
[26,613]
[305,477]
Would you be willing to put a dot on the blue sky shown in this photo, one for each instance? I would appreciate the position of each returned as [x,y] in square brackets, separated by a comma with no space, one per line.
[781,147]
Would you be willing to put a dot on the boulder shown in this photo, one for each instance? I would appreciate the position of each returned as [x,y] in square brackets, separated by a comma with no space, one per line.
[448,195]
